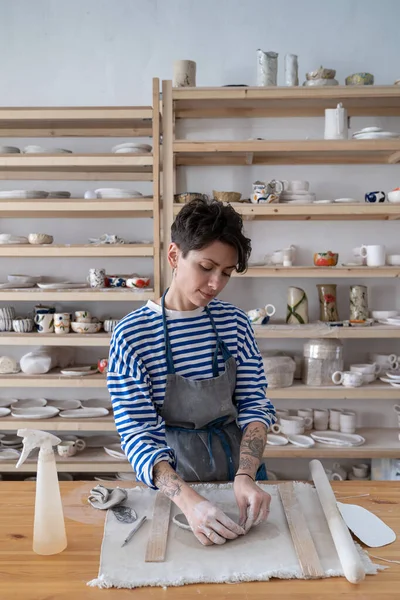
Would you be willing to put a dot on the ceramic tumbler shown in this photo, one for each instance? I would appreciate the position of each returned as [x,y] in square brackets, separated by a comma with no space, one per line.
[97,278]
[267,68]
[334,418]
[321,419]
[184,74]
[348,421]
[327,302]
[62,323]
[297,306]
[44,323]
[309,413]
[358,303]
[360,470]
[291,70]
[336,123]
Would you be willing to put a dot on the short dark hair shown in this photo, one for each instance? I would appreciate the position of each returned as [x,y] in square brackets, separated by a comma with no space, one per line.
[202,222]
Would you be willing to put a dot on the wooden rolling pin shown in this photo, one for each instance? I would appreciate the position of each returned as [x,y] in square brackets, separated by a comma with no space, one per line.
[345,547]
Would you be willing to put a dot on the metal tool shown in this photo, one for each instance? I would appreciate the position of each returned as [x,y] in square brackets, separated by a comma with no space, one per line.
[137,526]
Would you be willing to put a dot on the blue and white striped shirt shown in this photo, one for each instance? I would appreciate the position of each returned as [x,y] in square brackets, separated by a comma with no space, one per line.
[137,373]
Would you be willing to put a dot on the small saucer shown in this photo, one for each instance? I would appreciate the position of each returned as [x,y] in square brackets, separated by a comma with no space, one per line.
[273,439]
[304,441]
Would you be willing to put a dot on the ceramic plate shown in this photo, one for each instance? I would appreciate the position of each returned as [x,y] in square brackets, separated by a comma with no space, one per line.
[39,412]
[79,371]
[323,202]
[33,149]
[23,279]
[9,150]
[84,413]
[16,286]
[64,404]
[34,403]
[395,375]
[347,200]
[304,441]
[97,403]
[6,402]
[24,194]
[4,412]
[274,439]
[115,451]
[353,264]
[9,454]
[337,437]
[132,146]
[64,285]
[99,441]
[376,135]
[368,130]
[126,476]
[386,322]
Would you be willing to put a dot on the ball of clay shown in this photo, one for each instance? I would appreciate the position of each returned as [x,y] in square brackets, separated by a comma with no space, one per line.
[181,521]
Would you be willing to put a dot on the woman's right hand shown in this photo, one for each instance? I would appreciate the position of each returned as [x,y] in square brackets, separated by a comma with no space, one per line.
[210,524]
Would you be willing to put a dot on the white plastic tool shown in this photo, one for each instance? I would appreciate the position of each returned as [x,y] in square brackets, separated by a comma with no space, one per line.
[369,528]
[49,535]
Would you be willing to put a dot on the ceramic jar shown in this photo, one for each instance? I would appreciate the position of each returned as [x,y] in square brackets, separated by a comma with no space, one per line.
[267,68]
[327,302]
[62,322]
[44,322]
[184,73]
[297,306]
[358,303]
[97,278]
[291,70]
[321,358]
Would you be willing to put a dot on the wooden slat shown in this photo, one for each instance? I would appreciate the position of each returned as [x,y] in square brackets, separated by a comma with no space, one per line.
[74,250]
[303,543]
[156,189]
[157,542]
[84,294]
[327,272]
[76,207]
[373,391]
[10,338]
[316,330]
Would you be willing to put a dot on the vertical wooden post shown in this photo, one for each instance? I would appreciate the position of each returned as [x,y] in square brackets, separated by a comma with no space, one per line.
[156,187]
[168,176]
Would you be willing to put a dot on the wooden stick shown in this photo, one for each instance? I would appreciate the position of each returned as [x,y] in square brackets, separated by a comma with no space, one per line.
[345,547]
[157,542]
[301,536]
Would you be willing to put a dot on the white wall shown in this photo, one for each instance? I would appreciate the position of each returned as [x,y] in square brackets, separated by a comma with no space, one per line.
[105,52]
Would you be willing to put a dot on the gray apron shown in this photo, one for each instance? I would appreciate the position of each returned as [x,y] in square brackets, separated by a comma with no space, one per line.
[200,417]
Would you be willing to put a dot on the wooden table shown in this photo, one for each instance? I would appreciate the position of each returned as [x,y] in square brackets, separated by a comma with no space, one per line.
[27,576]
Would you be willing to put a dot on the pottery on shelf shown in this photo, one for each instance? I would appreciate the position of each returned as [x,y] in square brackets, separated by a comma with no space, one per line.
[327,302]
[6,324]
[297,306]
[138,282]
[78,327]
[358,303]
[110,324]
[184,74]
[291,70]
[267,68]
[326,259]
[40,238]
[227,196]
[360,79]
[7,312]
[22,325]
[188,197]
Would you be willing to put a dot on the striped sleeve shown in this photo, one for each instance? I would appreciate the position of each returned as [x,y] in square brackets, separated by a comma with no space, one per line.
[251,384]
[141,428]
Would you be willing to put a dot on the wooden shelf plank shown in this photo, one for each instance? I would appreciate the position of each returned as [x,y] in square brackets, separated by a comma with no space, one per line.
[92,460]
[318,330]
[327,272]
[234,102]
[310,212]
[374,391]
[52,380]
[282,152]
[76,207]
[74,250]
[84,294]
[119,121]
[126,167]
[59,424]
[10,338]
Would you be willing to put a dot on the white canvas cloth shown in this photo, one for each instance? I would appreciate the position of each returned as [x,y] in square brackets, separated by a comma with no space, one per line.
[266,551]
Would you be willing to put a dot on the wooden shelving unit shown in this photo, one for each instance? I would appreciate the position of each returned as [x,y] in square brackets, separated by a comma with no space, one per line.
[75,250]
[77,208]
[10,338]
[231,102]
[51,380]
[82,294]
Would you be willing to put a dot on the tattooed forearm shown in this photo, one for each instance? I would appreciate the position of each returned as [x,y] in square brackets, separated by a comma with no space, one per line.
[252,448]
[167,480]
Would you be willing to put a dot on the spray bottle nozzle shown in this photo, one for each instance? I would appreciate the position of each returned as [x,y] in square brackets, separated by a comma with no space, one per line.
[33,438]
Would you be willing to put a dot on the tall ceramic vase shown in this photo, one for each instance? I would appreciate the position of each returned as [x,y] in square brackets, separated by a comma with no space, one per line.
[291,70]
[297,306]
[327,302]
[267,68]
[358,303]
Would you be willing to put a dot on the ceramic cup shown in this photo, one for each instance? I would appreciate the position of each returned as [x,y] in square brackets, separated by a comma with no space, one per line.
[371,368]
[396,409]
[375,255]
[321,419]
[22,325]
[309,414]
[44,322]
[347,378]
[102,365]
[360,470]
[261,316]
[69,448]
[83,316]
[297,185]
[110,324]
[6,324]
[386,361]
[7,312]
[339,473]
[62,322]
[97,278]
[348,421]
[334,418]
[291,425]
[375,197]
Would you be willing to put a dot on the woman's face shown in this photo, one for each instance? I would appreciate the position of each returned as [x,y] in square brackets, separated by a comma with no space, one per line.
[203,274]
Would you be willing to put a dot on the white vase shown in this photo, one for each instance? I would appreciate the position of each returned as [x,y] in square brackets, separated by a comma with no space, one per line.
[184,73]
[291,70]
[267,68]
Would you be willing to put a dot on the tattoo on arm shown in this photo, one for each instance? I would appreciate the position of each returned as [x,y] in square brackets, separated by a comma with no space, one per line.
[252,447]
[166,480]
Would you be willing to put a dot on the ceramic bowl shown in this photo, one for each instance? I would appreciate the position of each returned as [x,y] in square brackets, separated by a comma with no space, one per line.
[22,325]
[23,279]
[321,73]
[6,324]
[326,259]
[394,196]
[40,238]
[7,312]
[138,282]
[227,196]
[188,197]
[360,79]
[85,327]
[115,281]
[110,324]
[384,314]
[393,259]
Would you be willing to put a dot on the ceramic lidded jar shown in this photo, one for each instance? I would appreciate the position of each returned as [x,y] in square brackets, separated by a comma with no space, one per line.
[327,302]
[321,358]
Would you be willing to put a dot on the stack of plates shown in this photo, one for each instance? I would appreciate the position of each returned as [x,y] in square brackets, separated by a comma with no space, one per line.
[11,441]
[8,238]
[297,197]
[374,133]
[9,150]
[59,194]
[69,404]
[33,149]
[40,412]
[84,413]
[61,285]
[117,193]
[132,148]
[393,378]
[335,438]
[115,451]
[28,403]
[346,200]
[23,194]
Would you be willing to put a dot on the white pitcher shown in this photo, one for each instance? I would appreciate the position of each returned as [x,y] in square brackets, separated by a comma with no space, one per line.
[336,123]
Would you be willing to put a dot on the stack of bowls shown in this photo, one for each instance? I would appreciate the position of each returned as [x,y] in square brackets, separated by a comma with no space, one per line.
[7,314]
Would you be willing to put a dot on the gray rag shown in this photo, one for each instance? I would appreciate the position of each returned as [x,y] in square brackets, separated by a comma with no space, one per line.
[104,498]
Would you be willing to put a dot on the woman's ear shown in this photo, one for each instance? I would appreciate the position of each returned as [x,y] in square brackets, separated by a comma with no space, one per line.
[173,255]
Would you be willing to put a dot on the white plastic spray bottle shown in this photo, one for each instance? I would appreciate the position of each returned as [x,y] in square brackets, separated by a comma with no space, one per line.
[49,535]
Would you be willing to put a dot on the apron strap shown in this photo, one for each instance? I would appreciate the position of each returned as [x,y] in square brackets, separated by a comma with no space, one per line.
[168,351]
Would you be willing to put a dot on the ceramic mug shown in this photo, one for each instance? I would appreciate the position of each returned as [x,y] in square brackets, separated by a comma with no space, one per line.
[69,448]
[297,185]
[96,278]
[348,421]
[369,368]
[360,470]
[62,322]
[375,197]
[334,418]
[83,316]
[291,425]
[375,255]
[321,419]
[386,361]
[396,409]
[309,414]
[347,378]
[261,316]
[115,281]
[339,473]
[102,365]
[44,322]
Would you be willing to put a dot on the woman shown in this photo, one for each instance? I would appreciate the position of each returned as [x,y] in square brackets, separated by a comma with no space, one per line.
[187,382]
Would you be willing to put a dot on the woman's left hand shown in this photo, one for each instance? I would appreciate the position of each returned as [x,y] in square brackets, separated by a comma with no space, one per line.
[252,501]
